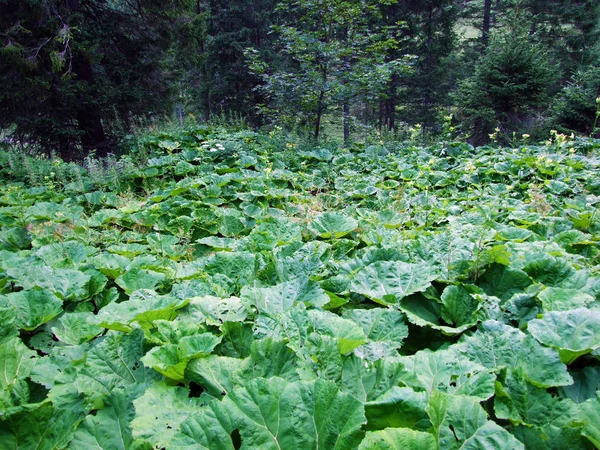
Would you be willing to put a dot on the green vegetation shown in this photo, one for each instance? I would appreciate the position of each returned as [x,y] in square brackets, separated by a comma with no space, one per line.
[78,76]
[299,224]
[226,290]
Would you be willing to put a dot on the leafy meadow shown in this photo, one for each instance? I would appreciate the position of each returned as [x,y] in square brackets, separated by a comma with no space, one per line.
[233,290]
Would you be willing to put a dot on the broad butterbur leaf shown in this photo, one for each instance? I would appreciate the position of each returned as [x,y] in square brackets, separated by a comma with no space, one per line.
[144,308]
[281,297]
[387,282]
[208,429]
[108,428]
[443,371]
[31,308]
[398,439]
[332,225]
[590,415]
[461,423]
[136,279]
[498,346]
[160,411]
[574,333]
[172,359]
[275,414]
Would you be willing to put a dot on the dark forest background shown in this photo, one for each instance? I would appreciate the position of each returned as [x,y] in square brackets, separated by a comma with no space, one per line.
[76,76]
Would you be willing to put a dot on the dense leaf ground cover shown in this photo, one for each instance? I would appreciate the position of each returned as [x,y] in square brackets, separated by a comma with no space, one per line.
[236,291]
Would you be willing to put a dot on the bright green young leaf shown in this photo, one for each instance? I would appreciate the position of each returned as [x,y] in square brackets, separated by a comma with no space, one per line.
[574,333]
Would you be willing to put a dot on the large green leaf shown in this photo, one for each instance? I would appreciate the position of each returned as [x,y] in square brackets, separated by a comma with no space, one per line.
[42,427]
[444,371]
[398,407]
[347,333]
[461,423]
[522,403]
[574,333]
[590,415]
[113,362]
[108,428]
[69,254]
[215,310]
[332,225]
[398,439]
[459,306]
[31,308]
[561,299]
[498,346]
[281,297]
[387,282]
[144,307]
[503,282]
[544,421]
[136,279]
[385,329]
[16,363]
[239,267]
[160,412]
[165,245]
[69,284]
[172,359]
[208,429]
[274,414]
[76,328]
[586,382]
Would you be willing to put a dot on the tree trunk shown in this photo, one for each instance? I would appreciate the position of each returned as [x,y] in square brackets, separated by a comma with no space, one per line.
[485,31]
[89,120]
